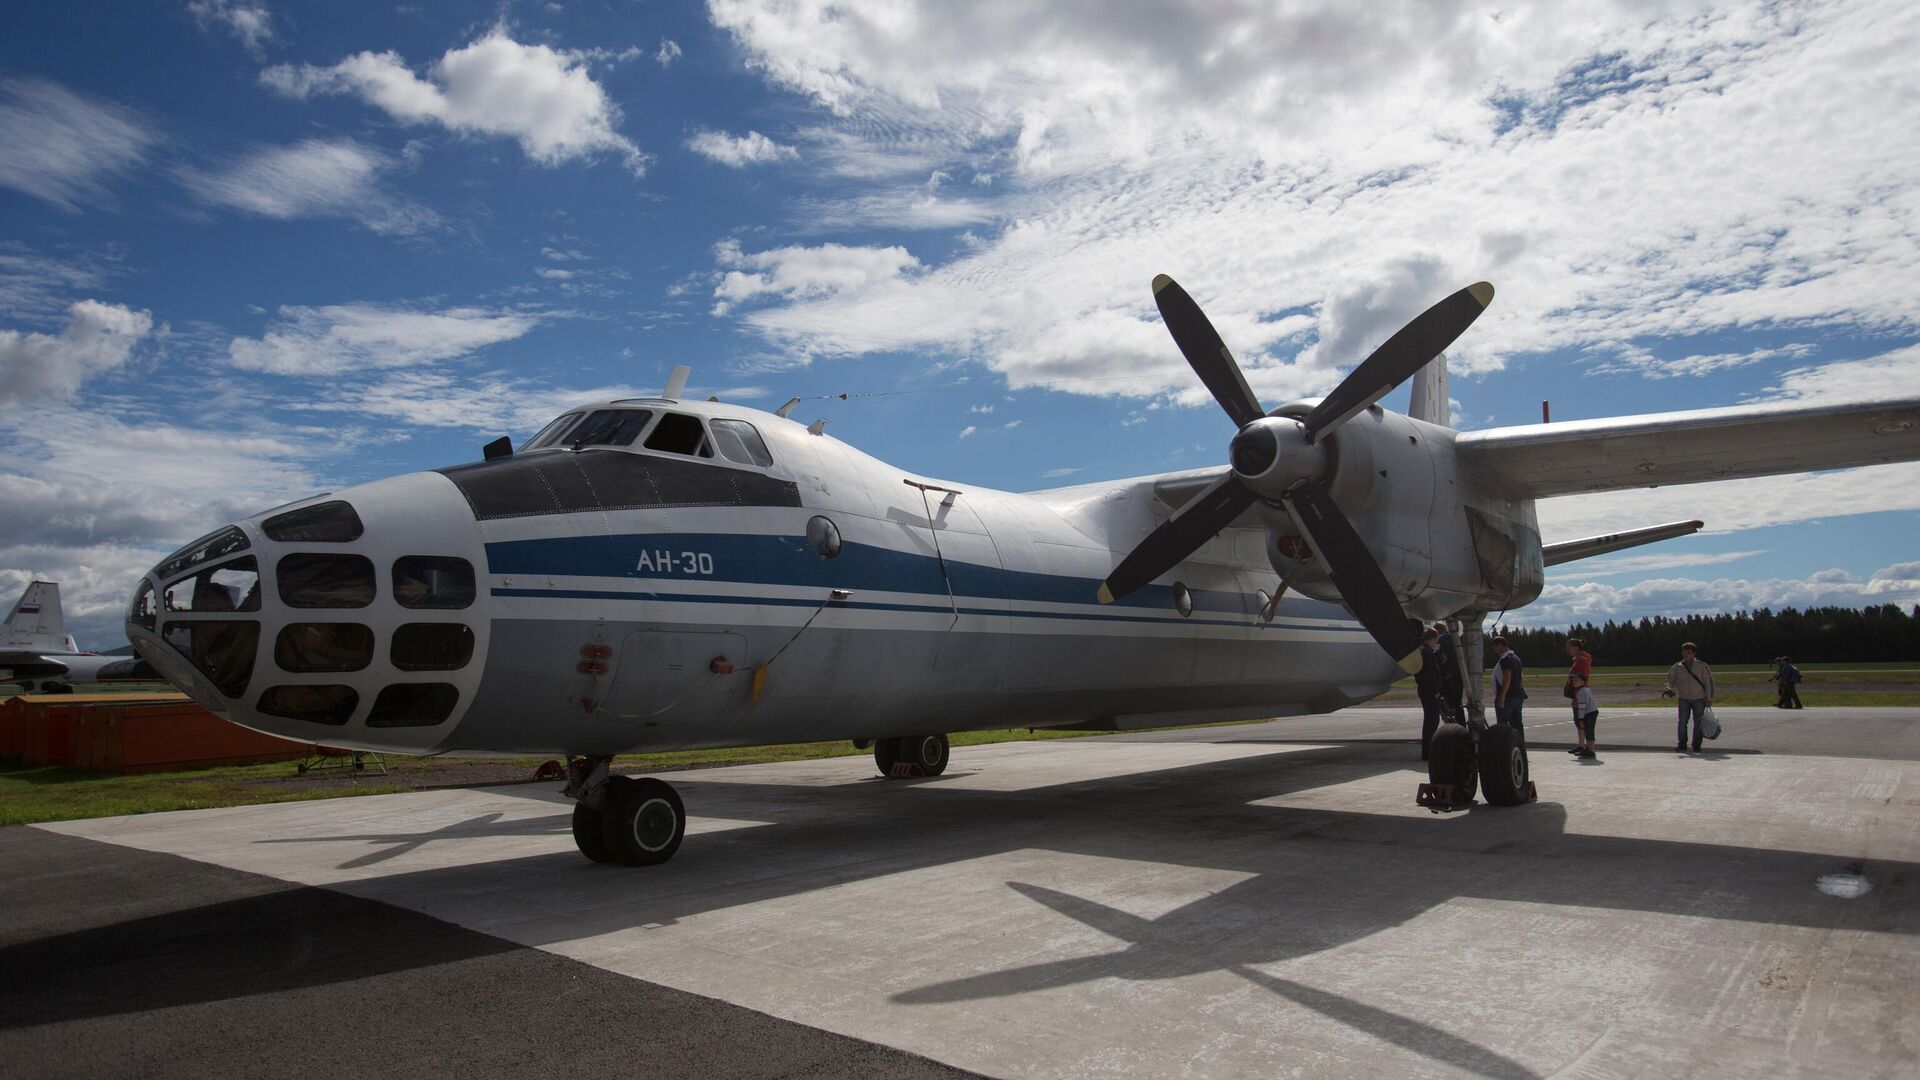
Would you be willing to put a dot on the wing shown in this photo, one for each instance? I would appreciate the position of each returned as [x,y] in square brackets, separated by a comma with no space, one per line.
[1539,461]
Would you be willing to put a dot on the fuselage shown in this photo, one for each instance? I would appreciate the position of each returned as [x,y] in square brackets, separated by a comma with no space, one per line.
[686,583]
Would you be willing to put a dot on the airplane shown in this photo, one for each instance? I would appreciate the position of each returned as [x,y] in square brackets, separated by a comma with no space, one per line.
[652,574]
[37,652]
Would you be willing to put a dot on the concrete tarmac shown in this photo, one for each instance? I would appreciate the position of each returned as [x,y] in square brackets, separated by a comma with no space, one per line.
[1250,900]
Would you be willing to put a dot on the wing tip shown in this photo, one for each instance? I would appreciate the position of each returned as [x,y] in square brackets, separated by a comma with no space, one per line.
[1482,293]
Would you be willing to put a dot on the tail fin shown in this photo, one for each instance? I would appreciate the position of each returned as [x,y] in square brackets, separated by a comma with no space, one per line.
[37,621]
[1430,401]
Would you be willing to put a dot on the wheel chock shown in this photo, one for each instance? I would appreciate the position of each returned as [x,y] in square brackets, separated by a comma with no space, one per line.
[1435,797]
[1533,793]
[905,770]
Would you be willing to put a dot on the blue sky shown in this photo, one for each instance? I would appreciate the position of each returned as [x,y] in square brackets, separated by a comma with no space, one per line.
[251,250]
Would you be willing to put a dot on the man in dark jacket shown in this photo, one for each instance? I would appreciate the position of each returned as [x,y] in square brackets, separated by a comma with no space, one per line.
[1427,682]
[1453,678]
[1789,679]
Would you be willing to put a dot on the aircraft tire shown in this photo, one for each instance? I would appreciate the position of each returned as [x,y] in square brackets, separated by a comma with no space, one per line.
[1450,760]
[928,752]
[56,688]
[1503,766]
[589,833]
[886,752]
[643,822]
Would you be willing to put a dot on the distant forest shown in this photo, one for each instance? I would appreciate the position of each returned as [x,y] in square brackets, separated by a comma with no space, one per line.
[1817,635]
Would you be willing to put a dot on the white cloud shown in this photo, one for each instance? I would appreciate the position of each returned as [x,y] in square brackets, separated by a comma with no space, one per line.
[1316,175]
[1631,359]
[1851,380]
[313,178]
[1057,474]
[1010,425]
[541,96]
[1564,605]
[740,151]
[1733,505]
[808,273]
[979,408]
[247,20]
[668,52]
[321,341]
[1641,564]
[62,147]
[553,273]
[968,430]
[98,338]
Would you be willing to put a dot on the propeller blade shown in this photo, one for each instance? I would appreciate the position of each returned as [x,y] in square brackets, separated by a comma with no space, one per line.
[1178,537]
[1407,351]
[1206,354]
[1360,581]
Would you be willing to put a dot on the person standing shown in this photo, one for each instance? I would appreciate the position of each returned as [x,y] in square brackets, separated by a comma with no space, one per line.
[1586,716]
[1453,678]
[1789,677]
[1427,682]
[1690,680]
[1581,668]
[1509,690]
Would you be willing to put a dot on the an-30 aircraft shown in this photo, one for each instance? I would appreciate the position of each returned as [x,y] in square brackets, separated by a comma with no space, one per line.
[655,574]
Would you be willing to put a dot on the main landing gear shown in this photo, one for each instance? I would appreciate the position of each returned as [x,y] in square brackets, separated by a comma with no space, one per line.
[911,755]
[1491,757]
[634,821]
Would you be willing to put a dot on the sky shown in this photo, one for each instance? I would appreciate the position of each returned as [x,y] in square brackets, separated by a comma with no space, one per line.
[252,250]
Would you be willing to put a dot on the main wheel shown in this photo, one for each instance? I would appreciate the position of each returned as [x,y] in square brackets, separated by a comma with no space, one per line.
[1503,766]
[928,752]
[643,821]
[589,833]
[885,753]
[1450,760]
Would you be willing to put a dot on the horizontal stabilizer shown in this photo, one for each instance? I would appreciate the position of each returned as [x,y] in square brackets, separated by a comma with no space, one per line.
[1570,550]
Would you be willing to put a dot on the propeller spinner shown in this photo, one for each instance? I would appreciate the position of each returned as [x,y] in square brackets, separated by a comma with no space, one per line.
[1280,458]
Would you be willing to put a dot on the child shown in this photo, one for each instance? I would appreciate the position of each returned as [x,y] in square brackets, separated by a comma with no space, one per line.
[1585,714]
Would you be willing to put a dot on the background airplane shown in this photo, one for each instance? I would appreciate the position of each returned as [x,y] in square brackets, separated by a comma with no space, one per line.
[650,574]
[37,652]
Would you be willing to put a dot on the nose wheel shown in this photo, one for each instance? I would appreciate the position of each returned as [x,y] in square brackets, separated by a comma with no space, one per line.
[633,821]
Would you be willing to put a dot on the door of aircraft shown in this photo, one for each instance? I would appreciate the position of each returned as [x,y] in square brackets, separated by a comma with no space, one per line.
[974,643]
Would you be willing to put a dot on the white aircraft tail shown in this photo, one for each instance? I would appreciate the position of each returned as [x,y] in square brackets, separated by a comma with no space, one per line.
[1430,401]
[36,621]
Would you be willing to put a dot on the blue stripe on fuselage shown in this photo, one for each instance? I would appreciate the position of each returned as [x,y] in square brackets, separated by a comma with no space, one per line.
[787,560]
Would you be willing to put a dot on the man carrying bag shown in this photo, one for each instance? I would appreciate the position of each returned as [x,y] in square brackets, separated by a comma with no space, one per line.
[1691,680]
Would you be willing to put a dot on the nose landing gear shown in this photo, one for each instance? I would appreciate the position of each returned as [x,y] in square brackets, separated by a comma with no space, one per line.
[634,821]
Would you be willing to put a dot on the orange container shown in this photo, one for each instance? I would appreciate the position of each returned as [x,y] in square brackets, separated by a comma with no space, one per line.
[124,733]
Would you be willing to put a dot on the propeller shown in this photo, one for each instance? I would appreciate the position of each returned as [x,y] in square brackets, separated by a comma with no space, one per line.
[1280,459]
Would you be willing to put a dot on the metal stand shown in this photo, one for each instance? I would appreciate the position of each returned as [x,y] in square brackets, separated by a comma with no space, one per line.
[356,762]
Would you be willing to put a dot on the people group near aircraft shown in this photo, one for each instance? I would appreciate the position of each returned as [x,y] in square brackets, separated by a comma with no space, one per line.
[1579,690]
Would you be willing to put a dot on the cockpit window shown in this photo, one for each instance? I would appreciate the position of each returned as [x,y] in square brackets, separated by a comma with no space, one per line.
[678,433]
[608,427]
[739,441]
[550,434]
[211,546]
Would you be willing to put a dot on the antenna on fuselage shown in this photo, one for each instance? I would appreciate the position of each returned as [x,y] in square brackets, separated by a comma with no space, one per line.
[676,382]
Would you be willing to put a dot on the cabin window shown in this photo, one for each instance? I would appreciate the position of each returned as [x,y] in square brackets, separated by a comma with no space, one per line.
[550,435]
[432,647]
[222,650]
[233,586]
[325,581]
[439,582]
[331,705]
[823,537]
[608,427]
[679,433]
[327,523]
[413,705]
[143,610]
[1182,599]
[739,441]
[211,546]
[323,647]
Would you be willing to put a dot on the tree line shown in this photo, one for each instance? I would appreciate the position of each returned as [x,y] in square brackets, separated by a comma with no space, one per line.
[1821,635]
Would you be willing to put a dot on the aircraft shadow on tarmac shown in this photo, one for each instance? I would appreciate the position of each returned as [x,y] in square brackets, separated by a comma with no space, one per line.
[1315,878]
[391,845]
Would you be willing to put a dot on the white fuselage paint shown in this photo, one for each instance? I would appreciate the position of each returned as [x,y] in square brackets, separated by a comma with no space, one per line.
[1010,634]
